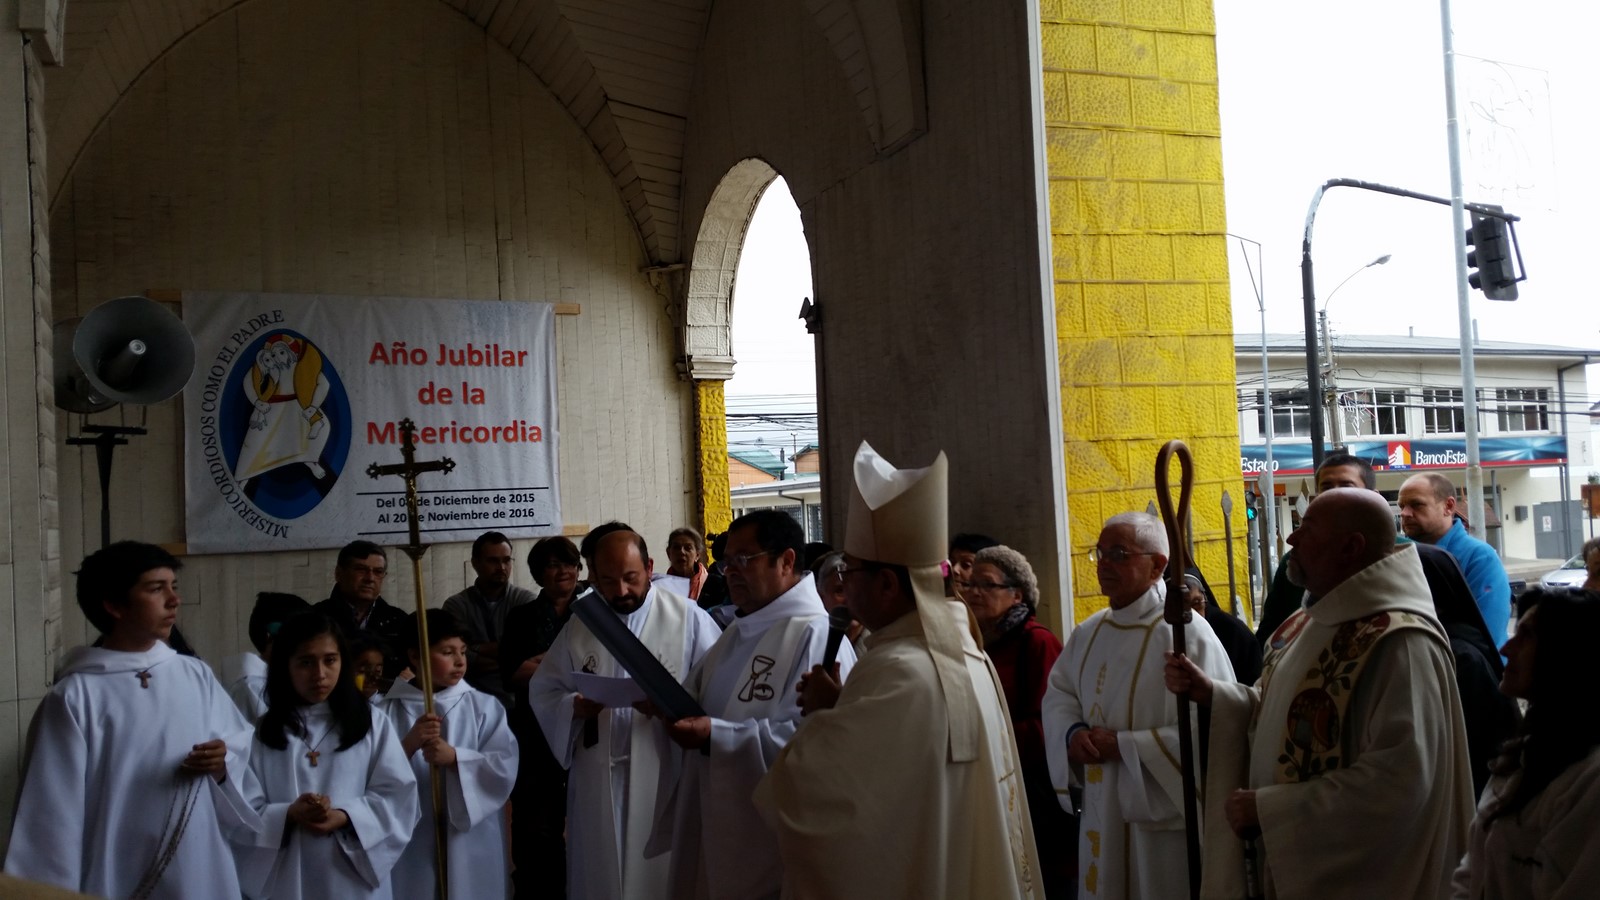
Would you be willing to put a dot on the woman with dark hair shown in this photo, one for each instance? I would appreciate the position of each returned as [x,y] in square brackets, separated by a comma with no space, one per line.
[539,798]
[335,794]
[1534,833]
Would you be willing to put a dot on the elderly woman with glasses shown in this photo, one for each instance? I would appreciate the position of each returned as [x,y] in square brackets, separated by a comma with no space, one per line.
[1003,594]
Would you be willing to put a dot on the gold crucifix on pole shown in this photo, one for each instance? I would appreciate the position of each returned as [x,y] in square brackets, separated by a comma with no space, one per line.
[409,470]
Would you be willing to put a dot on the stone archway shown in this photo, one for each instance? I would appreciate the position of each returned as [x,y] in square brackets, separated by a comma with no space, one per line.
[707,326]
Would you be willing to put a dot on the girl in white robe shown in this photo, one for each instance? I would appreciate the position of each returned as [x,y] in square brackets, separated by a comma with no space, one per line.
[469,739]
[336,798]
[1534,837]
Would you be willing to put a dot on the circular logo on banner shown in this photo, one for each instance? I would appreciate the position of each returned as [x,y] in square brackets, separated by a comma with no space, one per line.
[284,423]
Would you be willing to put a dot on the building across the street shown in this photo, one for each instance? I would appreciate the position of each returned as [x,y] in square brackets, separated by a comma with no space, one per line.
[798,495]
[1401,407]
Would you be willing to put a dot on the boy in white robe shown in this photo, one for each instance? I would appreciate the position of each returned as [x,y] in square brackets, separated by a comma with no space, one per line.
[745,684]
[246,674]
[468,738]
[1111,726]
[136,757]
[614,771]
[336,798]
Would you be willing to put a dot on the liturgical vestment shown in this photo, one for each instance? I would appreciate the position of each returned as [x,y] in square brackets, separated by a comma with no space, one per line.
[1109,675]
[866,802]
[103,797]
[369,781]
[611,785]
[1373,801]
[721,848]
[475,789]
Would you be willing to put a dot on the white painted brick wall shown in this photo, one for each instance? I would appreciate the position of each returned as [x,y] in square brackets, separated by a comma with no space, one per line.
[406,155]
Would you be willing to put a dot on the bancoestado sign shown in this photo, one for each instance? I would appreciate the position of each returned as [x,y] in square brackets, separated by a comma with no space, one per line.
[1405,455]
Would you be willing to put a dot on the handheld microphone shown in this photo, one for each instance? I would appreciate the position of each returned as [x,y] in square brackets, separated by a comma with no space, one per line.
[839,621]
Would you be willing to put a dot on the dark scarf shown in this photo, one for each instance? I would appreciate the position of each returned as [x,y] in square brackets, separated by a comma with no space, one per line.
[1009,621]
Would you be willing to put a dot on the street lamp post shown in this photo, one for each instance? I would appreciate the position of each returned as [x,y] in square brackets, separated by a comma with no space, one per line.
[1269,499]
[1335,413]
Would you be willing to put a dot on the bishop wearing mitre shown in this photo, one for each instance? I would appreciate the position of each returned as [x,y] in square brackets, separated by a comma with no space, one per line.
[909,786]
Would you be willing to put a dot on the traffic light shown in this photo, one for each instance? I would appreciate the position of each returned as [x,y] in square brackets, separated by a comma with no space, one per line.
[1249,504]
[1489,253]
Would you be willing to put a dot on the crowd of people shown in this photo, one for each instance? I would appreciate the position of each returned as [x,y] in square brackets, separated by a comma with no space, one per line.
[944,743]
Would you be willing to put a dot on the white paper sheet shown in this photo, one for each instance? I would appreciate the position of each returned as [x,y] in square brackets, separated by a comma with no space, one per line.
[623,691]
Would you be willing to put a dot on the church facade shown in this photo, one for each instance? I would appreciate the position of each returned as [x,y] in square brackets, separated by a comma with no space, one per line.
[1014,211]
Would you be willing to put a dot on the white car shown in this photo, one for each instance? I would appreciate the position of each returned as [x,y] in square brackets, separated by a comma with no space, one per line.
[1570,576]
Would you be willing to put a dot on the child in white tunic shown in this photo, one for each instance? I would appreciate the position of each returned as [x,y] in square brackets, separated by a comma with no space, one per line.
[468,738]
[336,798]
[137,760]
[246,674]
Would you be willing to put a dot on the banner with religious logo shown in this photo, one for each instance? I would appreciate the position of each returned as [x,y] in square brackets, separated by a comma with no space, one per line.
[294,396]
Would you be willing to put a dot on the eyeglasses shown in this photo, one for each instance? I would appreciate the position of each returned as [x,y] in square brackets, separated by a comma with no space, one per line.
[985,587]
[740,560]
[1115,554]
[842,571]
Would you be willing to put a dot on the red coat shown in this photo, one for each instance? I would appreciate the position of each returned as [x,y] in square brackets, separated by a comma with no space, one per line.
[1023,658]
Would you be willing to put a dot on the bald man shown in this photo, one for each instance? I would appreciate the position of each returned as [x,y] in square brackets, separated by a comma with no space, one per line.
[1349,759]
[614,767]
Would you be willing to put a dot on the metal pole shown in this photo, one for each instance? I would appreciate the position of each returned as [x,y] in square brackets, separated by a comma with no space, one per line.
[1268,475]
[1308,282]
[1335,412]
[1308,294]
[1458,219]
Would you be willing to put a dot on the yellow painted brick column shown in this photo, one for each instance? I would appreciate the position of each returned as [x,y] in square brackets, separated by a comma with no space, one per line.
[711,448]
[1143,318]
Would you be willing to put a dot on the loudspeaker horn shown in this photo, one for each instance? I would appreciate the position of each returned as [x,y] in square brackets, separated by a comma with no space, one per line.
[127,350]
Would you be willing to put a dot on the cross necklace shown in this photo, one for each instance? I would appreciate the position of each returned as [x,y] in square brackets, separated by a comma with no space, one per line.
[144,679]
[312,750]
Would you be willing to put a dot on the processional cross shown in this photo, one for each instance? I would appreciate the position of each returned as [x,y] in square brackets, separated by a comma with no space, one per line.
[409,470]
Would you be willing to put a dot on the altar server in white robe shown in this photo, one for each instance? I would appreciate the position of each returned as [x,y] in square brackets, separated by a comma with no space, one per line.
[1111,726]
[246,674]
[1349,757]
[136,759]
[614,767]
[910,786]
[468,738]
[337,800]
[746,685]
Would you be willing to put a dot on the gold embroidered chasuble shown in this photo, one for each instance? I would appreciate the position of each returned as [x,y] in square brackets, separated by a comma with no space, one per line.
[1363,789]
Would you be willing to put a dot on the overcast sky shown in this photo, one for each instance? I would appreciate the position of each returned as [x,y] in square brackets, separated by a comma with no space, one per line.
[1319,90]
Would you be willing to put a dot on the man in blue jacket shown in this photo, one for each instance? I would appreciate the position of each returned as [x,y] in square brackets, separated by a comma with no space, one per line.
[1428,514]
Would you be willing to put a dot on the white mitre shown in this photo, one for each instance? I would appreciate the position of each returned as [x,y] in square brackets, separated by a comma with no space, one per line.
[901,517]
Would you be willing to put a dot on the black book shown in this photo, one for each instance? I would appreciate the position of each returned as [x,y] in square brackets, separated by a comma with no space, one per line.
[671,698]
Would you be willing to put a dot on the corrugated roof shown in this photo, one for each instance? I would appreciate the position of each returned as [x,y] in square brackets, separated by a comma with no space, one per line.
[766,460]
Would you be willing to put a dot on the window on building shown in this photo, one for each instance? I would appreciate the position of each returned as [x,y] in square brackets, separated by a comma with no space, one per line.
[1523,409]
[814,522]
[1291,414]
[1375,411]
[1443,411]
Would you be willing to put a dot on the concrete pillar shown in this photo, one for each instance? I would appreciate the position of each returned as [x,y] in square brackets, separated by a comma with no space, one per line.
[30,545]
[1143,319]
[711,445]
